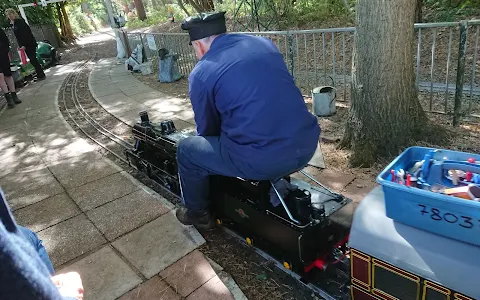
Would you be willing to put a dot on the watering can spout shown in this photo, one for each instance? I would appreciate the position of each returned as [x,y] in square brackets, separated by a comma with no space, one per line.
[323,101]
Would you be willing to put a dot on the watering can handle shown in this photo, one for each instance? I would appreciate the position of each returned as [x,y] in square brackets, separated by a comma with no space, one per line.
[334,96]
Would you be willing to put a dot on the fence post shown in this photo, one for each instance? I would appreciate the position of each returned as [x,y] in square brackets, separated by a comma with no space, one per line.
[460,73]
[291,51]
[143,48]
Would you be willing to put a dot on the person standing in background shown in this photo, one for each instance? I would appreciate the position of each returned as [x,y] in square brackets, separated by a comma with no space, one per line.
[25,40]
[6,80]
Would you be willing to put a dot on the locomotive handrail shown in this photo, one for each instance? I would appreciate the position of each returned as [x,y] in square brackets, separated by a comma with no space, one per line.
[284,204]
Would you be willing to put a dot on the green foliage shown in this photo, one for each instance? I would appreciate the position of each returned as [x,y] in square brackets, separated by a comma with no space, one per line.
[86,16]
[289,13]
[36,15]
[311,13]
[97,9]
[155,17]
[79,21]
[450,10]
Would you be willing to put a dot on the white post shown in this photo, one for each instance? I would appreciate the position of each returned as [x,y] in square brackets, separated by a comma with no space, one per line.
[108,5]
[121,49]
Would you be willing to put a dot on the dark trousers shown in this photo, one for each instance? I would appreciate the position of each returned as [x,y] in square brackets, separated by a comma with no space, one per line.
[199,157]
[31,52]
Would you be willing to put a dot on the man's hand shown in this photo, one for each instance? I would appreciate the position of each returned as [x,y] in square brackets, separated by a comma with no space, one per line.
[69,285]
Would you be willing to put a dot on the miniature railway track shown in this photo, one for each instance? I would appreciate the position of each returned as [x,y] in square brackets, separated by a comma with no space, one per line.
[3,104]
[79,115]
[78,109]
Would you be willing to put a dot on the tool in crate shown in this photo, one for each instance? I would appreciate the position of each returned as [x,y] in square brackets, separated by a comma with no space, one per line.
[442,172]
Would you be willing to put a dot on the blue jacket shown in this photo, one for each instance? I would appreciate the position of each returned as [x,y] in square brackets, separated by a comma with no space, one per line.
[23,275]
[241,90]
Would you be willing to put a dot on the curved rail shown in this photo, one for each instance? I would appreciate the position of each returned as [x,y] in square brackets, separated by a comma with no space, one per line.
[75,76]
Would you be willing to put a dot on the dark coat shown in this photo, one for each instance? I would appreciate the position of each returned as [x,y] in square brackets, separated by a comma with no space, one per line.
[23,33]
[4,42]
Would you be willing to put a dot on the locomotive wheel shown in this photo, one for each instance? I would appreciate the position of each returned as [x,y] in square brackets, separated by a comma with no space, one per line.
[249,241]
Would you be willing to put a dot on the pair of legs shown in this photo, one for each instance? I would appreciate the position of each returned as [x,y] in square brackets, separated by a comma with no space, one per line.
[199,157]
[33,239]
[6,81]
[31,51]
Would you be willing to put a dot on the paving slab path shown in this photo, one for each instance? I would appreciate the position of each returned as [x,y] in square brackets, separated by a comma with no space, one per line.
[94,218]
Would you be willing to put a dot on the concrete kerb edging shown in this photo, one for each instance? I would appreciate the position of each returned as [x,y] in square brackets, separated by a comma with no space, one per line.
[226,278]
[229,282]
[89,83]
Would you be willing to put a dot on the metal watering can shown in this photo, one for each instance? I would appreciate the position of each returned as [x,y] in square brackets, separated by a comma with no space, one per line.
[323,101]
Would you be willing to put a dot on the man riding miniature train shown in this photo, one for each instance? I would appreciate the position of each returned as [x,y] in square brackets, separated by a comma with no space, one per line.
[252,121]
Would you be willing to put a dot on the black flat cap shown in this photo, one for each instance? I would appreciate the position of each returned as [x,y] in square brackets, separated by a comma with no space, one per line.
[205,25]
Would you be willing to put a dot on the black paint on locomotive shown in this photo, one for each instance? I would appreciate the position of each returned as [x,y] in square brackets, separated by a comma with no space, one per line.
[244,205]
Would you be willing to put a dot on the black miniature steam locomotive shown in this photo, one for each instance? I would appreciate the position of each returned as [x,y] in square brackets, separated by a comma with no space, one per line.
[303,231]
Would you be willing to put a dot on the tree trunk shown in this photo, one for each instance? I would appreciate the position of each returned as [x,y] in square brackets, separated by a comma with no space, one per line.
[180,3]
[418,11]
[195,6]
[202,5]
[68,27]
[65,27]
[60,19]
[385,113]
[140,10]
[208,5]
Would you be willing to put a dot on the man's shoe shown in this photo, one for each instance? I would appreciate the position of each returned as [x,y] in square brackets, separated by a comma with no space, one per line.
[40,78]
[201,220]
[9,98]
[15,98]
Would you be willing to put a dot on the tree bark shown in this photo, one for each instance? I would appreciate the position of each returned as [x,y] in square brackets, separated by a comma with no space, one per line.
[60,19]
[418,11]
[65,27]
[202,5]
[195,6]
[68,27]
[140,10]
[208,5]
[385,113]
[180,3]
